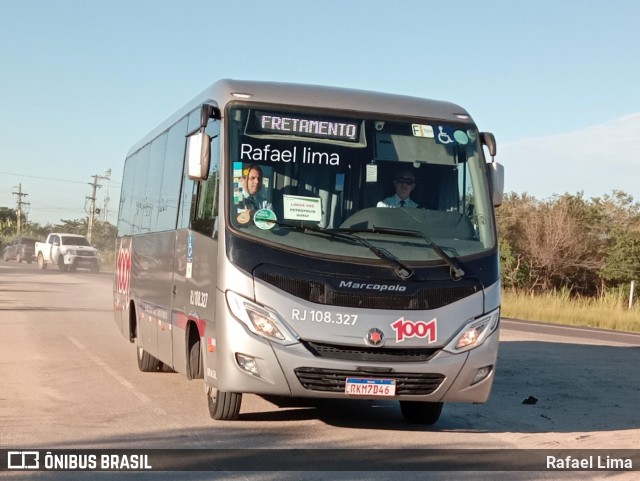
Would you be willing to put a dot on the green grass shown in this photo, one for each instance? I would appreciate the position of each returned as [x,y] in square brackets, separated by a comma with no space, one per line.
[560,308]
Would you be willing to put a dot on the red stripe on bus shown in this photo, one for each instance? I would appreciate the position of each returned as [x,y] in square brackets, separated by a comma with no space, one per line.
[183,319]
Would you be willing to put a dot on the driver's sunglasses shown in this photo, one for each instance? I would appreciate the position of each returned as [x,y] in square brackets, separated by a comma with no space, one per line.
[404,180]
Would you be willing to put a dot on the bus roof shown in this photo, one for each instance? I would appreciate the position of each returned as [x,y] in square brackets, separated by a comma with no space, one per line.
[291,94]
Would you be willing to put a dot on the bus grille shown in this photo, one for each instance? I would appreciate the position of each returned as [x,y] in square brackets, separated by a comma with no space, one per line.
[320,293]
[330,380]
[369,354]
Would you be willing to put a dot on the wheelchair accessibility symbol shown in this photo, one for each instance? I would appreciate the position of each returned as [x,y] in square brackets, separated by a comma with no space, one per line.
[443,137]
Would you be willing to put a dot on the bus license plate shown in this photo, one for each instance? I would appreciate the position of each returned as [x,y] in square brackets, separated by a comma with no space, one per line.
[356,386]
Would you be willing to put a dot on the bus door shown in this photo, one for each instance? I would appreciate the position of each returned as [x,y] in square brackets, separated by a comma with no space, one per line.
[195,256]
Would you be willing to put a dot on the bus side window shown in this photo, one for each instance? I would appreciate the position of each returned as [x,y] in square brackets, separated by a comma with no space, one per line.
[206,208]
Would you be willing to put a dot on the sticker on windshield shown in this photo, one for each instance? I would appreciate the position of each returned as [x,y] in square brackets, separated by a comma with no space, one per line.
[372,173]
[244,217]
[461,137]
[262,219]
[445,135]
[421,130]
[237,169]
[297,207]
[472,135]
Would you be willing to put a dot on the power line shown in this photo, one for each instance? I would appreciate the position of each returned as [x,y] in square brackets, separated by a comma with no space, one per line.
[93,210]
[63,209]
[48,178]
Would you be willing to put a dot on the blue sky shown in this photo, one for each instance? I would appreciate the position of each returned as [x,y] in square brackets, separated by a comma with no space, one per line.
[557,82]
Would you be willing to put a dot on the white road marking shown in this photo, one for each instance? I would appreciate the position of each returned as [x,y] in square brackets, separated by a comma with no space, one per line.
[116,376]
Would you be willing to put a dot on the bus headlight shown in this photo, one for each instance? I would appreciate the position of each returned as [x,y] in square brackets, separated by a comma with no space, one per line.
[259,319]
[474,333]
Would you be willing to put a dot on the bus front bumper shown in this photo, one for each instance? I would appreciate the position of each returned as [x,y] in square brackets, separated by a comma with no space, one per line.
[245,363]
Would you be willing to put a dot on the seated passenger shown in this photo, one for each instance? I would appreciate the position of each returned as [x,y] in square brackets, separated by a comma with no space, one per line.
[251,185]
[404,183]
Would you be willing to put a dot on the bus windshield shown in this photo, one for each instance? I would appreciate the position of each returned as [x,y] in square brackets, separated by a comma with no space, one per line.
[398,185]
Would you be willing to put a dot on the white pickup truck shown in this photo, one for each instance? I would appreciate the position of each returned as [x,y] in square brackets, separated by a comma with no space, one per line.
[68,252]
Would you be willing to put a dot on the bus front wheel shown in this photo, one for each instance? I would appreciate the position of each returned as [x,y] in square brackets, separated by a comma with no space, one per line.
[224,406]
[420,412]
[195,362]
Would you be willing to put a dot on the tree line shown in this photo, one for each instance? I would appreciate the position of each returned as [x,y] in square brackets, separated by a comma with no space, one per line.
[569,243]
[102,237]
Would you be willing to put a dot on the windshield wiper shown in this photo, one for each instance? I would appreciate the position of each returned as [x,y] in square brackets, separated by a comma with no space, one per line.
[456,269]
[402,271]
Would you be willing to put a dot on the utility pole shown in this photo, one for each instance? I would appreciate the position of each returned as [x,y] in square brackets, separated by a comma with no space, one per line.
[19,209]
[92,208]
[105,209]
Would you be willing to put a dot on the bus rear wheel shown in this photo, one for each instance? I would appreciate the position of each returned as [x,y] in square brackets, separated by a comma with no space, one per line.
[420,412]
[224,406]
[146,362]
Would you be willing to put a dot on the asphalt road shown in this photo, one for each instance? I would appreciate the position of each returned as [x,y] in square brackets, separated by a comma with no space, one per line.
[69,380]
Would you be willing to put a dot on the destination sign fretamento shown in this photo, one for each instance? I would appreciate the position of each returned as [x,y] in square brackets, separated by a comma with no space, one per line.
[318,127]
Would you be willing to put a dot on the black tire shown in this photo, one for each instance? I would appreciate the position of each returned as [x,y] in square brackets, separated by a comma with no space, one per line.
[195,361]
[42,265]
[420,412]
[61,265]
[146,362]
[224,406]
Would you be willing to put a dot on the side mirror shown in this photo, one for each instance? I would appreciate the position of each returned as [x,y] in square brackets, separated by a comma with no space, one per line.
[198,156]
[488,139]
[496,179]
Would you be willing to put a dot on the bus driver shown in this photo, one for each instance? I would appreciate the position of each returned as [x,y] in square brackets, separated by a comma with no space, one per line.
[404,183]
